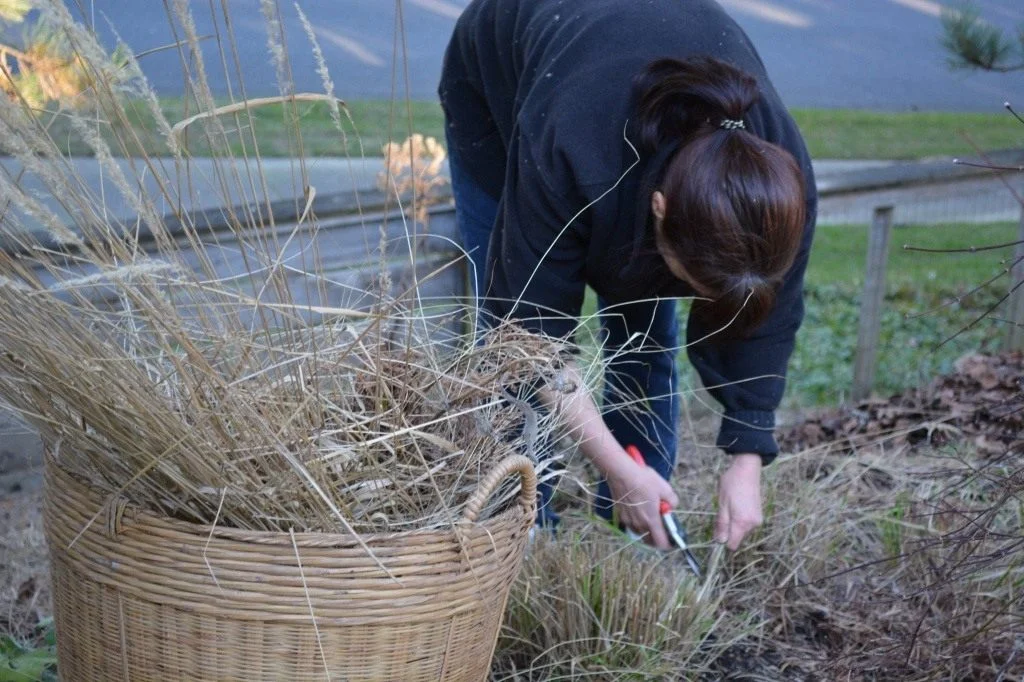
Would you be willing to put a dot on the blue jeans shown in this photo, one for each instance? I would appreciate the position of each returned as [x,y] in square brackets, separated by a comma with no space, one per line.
[640,402]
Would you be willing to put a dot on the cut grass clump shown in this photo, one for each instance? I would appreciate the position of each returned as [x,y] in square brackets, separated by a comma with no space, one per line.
[590,604]
[328,427]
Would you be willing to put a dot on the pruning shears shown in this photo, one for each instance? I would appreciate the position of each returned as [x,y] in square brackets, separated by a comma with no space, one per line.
[675,531]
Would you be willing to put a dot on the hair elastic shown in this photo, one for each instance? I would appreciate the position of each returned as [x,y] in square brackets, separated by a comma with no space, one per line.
[730,124]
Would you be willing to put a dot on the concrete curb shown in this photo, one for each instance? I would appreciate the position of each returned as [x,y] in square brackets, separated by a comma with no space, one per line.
[918,173]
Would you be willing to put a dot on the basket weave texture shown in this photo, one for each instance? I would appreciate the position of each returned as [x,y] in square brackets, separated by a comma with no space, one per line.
[137,597]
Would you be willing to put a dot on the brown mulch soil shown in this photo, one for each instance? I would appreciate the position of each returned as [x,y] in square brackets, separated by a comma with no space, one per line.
[981,403]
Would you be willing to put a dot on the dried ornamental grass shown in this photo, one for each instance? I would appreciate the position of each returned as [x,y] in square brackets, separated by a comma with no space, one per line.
[591,604]
[258,398]
[388,436]
[414,168]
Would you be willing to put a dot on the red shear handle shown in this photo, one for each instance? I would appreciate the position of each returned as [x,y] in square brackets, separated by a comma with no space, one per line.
[634,452]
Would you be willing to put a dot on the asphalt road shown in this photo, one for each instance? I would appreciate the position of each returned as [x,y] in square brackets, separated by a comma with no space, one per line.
[877,54]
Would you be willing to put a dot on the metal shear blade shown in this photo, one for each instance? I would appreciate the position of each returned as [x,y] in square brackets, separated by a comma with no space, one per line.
[678,536]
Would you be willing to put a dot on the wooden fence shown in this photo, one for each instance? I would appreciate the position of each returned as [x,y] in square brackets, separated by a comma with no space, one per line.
[877,185]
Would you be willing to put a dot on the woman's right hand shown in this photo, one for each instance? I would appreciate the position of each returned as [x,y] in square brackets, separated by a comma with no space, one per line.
[638,491]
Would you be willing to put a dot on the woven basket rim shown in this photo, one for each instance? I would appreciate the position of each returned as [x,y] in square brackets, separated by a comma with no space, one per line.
[141,518]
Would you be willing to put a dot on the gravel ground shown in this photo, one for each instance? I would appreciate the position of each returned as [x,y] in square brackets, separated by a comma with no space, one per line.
[24,573]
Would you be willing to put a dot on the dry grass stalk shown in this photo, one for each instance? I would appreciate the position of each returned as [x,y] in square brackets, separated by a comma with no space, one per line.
[250,104]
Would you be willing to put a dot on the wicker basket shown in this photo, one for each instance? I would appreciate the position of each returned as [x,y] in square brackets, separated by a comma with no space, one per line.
[138,597]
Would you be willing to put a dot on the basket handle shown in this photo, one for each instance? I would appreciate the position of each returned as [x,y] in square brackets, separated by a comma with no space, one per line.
[511,464]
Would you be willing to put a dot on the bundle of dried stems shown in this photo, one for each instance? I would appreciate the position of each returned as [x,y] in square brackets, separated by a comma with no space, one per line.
[253,399]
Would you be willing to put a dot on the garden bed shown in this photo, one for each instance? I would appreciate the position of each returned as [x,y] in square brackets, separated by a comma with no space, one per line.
[894,564]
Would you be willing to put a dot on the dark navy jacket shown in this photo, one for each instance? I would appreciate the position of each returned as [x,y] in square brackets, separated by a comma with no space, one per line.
[538,98]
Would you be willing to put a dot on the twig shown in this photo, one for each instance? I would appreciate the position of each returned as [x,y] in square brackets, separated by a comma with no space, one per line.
[244,105]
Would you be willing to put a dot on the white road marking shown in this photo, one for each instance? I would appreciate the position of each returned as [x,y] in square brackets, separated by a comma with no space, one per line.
[928,7]
[353,47]
[770,12]
[440,7]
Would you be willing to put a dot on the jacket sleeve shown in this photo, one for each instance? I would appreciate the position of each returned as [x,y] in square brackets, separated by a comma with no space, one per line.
[748,376]
[536,258]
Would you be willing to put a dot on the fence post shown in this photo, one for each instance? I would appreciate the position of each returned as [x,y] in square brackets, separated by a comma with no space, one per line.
[1015,305]
[871,303]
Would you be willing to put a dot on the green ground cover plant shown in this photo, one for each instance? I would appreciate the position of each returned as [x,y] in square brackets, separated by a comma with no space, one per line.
[30,660]
[925,305]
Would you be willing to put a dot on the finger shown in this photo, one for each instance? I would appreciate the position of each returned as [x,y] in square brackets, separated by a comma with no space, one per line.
[659,538]
[722,524]
[736,534]
[636,522]
[669,495]
[738,530]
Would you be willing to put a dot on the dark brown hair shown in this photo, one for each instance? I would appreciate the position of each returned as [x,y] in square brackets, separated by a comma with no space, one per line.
[735,207]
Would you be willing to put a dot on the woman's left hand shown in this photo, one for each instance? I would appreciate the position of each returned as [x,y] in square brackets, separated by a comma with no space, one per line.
[739,500]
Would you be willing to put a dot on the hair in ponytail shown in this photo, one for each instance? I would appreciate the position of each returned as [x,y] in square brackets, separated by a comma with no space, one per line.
[735,211]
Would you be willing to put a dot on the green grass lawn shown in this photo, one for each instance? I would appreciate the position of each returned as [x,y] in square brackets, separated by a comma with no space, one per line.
[840,251]
[838,133]
[371,124]
[850,134]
